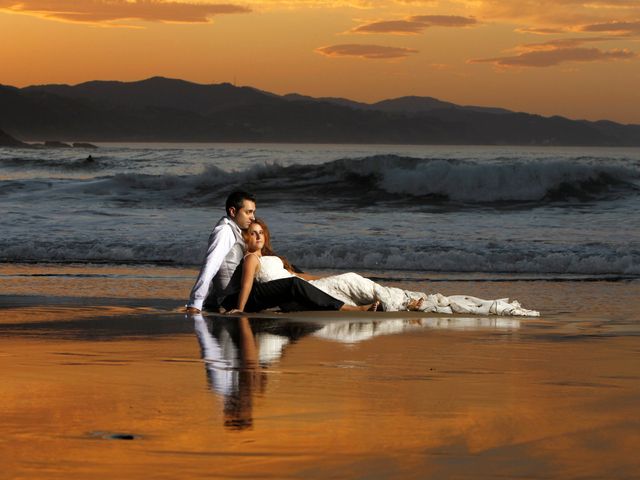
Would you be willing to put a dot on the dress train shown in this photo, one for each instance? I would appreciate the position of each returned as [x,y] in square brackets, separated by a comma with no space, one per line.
[354,289]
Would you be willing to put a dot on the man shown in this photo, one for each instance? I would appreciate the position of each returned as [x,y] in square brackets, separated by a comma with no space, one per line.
[220,275]
[224,254]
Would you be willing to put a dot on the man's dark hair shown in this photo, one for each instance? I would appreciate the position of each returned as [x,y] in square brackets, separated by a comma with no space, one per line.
[237,198]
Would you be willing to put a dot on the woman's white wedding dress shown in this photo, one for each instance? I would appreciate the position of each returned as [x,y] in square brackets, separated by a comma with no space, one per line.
[354,289]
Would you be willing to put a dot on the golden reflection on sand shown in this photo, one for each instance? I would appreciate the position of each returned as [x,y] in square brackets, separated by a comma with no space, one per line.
[314,396]
[80,280]
[53,313]
[406,404]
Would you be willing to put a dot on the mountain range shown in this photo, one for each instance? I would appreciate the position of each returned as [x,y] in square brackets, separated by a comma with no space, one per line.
[162,109]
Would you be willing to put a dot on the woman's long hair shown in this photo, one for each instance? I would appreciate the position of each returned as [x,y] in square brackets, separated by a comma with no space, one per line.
[267,249]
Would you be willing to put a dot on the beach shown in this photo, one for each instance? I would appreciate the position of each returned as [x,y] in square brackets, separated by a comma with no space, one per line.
[105,376]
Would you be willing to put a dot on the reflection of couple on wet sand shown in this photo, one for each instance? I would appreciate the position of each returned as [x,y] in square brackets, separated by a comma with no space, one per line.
[237,355]
[239,351]
[241,273]
[233,367]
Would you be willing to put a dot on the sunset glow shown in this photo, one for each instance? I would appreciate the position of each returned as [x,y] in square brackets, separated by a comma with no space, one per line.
[576,58]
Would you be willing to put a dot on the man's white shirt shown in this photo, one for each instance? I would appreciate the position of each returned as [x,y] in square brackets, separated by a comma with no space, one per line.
[221,241]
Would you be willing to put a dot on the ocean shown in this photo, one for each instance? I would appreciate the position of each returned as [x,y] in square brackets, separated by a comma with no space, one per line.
[390,211]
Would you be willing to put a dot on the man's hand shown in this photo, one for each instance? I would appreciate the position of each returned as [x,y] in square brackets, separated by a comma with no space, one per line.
[234,310]
[193,310]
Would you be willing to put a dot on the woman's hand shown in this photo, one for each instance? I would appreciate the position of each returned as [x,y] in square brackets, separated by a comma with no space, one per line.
[234,310]
[307,276]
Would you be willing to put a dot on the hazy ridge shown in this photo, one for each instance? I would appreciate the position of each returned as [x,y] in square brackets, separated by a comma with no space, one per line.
[161,109]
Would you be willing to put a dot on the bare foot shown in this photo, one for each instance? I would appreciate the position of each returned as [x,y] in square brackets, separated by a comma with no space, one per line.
[414,305]
[372,307]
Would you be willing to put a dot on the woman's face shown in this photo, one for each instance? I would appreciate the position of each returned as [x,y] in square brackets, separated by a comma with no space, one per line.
[255,240]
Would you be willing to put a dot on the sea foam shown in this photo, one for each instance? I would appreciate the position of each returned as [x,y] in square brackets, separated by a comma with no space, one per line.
[355,256]
[378,178]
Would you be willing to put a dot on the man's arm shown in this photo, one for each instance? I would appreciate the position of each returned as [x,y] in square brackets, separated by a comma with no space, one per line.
[221,241]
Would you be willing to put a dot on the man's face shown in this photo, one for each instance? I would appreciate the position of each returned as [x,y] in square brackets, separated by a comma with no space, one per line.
[244,216]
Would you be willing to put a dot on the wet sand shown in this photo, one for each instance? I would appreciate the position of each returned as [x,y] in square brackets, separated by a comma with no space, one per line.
[105,377]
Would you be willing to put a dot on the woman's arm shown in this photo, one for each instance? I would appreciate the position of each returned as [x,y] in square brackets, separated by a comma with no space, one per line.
[302,275]
[306,276]
[249,268]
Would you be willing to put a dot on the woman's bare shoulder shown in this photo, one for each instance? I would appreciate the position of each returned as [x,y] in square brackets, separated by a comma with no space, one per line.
[251,260]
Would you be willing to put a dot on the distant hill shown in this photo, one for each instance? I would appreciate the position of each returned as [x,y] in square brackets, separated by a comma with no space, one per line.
[162,109]
[343,102]
[409,104]
[7,140]
[427,104]
[158,92]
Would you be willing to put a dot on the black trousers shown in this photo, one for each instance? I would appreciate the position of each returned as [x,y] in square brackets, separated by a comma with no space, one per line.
[290,294]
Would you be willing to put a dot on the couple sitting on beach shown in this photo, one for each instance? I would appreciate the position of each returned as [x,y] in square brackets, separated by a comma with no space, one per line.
[241,273]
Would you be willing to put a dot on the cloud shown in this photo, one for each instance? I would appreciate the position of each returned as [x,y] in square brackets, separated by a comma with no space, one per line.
[444,20]
[541,30]
[561,43]
[423,3]
[365,51]
[288,5]
[396,27]
[612,4]
[553,14]
[414,24]
[440,67]
[106,11]
[548,58]
[558,51]
[622,28]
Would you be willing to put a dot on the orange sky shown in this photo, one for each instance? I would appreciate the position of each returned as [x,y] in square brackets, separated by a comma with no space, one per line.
[576,58]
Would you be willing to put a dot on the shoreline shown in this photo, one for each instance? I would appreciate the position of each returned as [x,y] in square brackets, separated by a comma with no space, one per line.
[392,275]
[151,285]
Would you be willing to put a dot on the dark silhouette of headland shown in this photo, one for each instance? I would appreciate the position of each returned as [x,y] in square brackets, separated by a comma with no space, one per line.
[7,140]
[162,109]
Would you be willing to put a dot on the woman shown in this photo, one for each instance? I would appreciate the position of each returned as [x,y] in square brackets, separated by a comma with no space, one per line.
[267,267]
[261,264]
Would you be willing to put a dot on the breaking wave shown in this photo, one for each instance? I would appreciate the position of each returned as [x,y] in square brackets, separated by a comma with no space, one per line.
[392,178]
